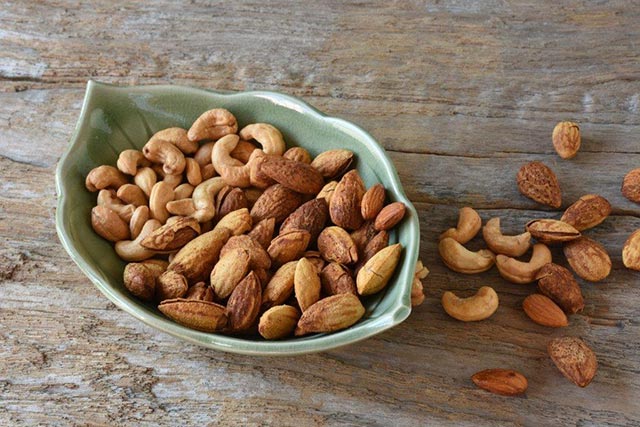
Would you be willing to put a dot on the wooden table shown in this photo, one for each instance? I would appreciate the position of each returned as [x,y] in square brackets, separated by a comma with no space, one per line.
[461,94]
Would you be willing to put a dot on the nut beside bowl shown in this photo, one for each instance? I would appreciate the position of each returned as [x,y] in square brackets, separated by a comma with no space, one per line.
[117,118]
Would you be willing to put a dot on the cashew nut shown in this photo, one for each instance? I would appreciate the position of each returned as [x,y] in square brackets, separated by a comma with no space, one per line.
[231,170]
[173,180]
[469,224]
[524,272]
[192,170]
[161,194]
[104,177]
[203,155]
[207,171]
[268,136]
[183,191]
[130,160]
[204,196]
[178,137]
[181,207]
[243,151]
[213,124]
[145,179]
[132,250]
[108,198]
[164,152]
[132,194]
[138,219]
[513,246]
[477,307]
[460,259]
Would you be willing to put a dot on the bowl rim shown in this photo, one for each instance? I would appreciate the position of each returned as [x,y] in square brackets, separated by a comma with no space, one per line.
[319,343]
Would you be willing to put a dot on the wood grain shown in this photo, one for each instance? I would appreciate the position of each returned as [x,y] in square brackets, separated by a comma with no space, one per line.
[460,94]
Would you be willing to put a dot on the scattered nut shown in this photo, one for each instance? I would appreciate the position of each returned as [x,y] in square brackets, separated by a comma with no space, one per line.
[566,139]
[524,272]
[537,182]
[469,224]
[513,246]
[474,308]
[588,259]
[573,357]
[460,259]
[506,382]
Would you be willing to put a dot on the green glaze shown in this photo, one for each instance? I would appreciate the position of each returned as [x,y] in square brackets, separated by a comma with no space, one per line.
[116,118]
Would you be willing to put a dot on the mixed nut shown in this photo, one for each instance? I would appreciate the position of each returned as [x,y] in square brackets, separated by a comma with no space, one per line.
[228,231]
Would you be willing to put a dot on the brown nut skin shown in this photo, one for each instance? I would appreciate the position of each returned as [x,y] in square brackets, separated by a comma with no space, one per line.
[278,322]
[631,251]
[538,182]
[589,211]
[575,360]
[469,223]
[333,163]
[244,303]
[336,245]
[311,216]
[108,224]
[552,231]
[200,291]
[172,236]
[390,216]
[373,202]
[336,279]
[505,382]
[288,246]
[276,202]
[631,185]
[557,283]
[195,314]
[345,207]
[331,314]
[298,154]
[262,232]
[566,139]
[588,259]
[170,285]
[297,176]
[543,311]
[140,281]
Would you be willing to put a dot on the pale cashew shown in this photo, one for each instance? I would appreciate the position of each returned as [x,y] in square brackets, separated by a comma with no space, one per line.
[256,177]
[204,196]
[460,259]
[138,219]
[477,307]
[524,272]
[161,194]
[173,180]
[178,137]
[203,155]
[514,246]
[104,177]
[108,199]
[130,160]
[469,223]
[164,152]
[207,171]
[183,191]
[132,195]
[181,207]
[268,136]
[231,170]
[243,151]
[213,124]
[192,170]
[145,179]
[132,250]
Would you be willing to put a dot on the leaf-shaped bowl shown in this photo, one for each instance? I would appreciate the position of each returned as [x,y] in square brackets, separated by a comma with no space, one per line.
[117,118]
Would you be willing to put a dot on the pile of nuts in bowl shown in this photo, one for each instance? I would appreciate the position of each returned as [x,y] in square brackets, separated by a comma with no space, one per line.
[559,293]
[195,212]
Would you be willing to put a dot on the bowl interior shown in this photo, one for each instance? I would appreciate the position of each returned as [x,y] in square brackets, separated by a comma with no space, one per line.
[118,118]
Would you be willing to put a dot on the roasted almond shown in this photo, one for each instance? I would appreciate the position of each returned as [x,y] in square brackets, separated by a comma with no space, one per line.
[345,205]
[631,185]
[140,281]
[170,285]
[288,246]
[552,231]
[506,382]
[230,201]
[631,251]
[588,259]
[108,224]
[276,202]
[573,357]
[375,245]
[297,176]
[311,216]
[306,284]
[258,256]
[558,283]
[327,191]
[539,183]
[262,232]
[566,139]
[278,322]
[195,314]
[363,235]
[196,259]
[331,314]
[372,202]
[228,272]
[173,235]
[200,291]
[298,154]
[589,211]
[336,245]
[333,163]
[280,287]
[544,311]
[244,303]
[336,279]
[375,274]
[390,215]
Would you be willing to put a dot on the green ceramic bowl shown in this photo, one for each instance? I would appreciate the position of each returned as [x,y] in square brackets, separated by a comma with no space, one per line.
[117,118]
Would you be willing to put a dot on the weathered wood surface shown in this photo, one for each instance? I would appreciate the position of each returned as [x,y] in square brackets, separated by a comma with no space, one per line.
[461,94]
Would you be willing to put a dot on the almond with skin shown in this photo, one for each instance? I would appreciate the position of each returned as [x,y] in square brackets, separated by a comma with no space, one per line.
[557,283]
[108,224]
[589,211]
[280,287]
[506,382]
[537,182]
[573,357]
[297,154]
[196,259]
[203,316]
[373,202]
[228,272]
[588,259]
[631,251]
[631,185]
[544,311]
[551,231]
[229,201]
[244,303]
[375,245]
[330,314]
[173,235]
[311,216]
[345,206]
[140,281]
[276,202]
[336,279]
[278,322]
[390,216]
[200,291]
[306,284]
[327,191]
[336,245]
[262,232]
[363,235]
[297,176]
[170,285]
[316,259]
[258,256]
[375,274]
[333,163]
[289,246]
[566,139]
